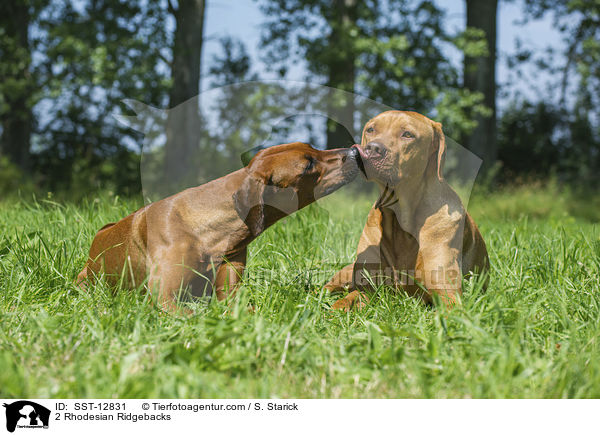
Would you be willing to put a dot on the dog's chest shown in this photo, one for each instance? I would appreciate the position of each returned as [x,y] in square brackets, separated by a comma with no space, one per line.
[399,248]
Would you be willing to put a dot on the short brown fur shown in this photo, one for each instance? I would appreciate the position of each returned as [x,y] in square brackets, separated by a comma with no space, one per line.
[419,226]
[197,239]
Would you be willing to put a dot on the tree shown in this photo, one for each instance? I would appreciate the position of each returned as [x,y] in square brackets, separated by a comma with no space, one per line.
[324,34]
[392,52]
[87,57]
[90,56]
[480,76]
[17,86]
[532,139]
[571,92]
[341,71]
[244,111]
[183,125]
[239,118]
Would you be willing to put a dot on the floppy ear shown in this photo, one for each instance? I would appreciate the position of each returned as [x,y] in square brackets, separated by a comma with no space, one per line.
[250,204]
[439,145]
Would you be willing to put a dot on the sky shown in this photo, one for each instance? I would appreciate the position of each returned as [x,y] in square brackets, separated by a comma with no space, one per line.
[242,19]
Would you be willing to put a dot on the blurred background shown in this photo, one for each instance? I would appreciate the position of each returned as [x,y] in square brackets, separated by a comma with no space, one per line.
[515,81]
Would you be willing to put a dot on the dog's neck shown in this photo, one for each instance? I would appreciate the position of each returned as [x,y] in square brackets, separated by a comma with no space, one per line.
[222,214]
[408,199]
[241,233]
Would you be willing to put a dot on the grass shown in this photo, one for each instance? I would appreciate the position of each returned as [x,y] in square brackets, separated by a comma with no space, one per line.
[534,333]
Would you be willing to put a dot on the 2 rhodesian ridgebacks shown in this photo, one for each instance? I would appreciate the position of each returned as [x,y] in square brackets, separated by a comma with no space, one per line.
[197,239]
[418,235]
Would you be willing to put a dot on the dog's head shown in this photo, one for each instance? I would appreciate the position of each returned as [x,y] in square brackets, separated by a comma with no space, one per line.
[284,178]
[399,145]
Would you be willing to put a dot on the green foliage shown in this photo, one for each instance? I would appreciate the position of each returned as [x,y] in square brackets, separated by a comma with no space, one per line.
[531,139]
[397,50]
[82,58]
[541,140]
[11,178]
[457,110]
[232,65]
[472,42]
[573,92]
[90,56]
[14,83]
[534,333]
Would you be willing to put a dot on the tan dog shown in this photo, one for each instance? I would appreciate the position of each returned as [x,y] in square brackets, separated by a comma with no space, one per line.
[180,241]
[418,234]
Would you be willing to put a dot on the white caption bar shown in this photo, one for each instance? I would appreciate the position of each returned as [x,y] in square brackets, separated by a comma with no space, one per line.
[248,416]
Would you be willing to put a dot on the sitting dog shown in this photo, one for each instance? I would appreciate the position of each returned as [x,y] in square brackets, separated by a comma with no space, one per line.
[197,239]
[418,234]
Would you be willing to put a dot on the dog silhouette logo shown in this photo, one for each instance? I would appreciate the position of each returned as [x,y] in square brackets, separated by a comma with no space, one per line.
[26,414]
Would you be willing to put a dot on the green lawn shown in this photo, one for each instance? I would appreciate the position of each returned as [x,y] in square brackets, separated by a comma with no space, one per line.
[534,333]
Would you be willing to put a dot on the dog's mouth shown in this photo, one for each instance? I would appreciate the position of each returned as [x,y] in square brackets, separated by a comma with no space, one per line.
[359,160]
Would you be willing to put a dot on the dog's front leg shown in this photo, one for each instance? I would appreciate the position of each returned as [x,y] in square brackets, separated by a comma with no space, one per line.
[229,275]
[343,280]
[439,271]
[166,282]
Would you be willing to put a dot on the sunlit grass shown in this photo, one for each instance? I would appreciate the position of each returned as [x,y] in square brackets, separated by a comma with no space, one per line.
[534,333]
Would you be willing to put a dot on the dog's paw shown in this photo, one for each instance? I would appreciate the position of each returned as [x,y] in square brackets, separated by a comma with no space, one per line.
[355,300]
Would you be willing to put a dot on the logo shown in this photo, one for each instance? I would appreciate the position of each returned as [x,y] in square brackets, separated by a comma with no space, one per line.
[26,414]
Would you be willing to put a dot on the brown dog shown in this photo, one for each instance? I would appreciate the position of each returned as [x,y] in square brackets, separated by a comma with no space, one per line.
[418,234]
[180,241]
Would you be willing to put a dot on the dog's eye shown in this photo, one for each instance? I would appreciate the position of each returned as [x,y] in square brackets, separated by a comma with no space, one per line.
[408,134]
[370,130]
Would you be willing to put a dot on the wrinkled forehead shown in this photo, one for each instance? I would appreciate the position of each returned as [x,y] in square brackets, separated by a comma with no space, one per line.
[286,158]
[394,120]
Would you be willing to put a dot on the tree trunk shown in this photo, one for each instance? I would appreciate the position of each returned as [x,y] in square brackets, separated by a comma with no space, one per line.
[16,120]
[342,75]
[183,123]
[480,76]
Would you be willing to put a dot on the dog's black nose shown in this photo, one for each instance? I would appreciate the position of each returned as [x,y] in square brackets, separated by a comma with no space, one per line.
[374,149]
[349,152]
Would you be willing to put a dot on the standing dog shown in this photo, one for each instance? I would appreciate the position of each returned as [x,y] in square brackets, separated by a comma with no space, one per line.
[197,238]
[418,234]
